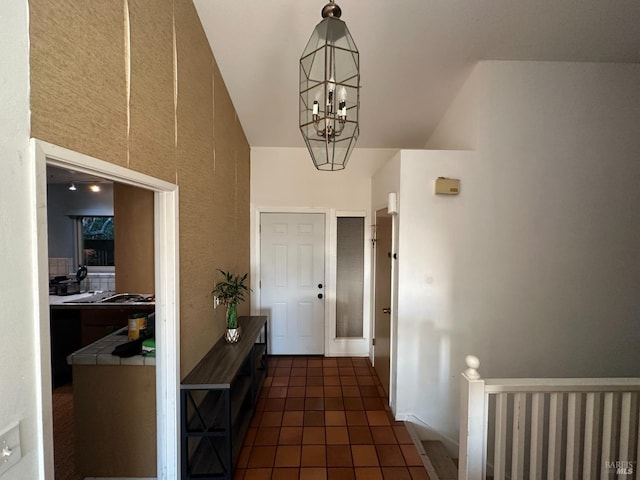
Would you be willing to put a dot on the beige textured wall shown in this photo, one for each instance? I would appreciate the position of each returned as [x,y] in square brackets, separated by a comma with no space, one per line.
[83,98]
[134,242]
[118,443]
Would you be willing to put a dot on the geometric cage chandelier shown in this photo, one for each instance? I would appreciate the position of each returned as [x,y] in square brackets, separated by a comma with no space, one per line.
[330,92]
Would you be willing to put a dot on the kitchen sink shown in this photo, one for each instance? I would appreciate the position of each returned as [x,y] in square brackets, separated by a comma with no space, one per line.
[127,298]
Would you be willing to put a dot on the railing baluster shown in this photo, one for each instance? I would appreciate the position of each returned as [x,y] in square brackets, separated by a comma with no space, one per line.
[500,443]
[537,432]
[633,433]
[573,436]
[625,427]
[555,435]
[591,427]
[637,438]
[517,451]
[602,427]
[607,430]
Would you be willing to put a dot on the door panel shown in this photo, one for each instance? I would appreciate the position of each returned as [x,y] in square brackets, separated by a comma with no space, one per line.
[291,268]
[382,329]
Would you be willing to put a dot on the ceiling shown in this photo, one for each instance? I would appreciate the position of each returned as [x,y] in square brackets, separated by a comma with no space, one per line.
[56,175]
[414,54]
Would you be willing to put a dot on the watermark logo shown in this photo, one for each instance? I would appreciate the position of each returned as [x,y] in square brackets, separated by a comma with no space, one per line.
[621,467]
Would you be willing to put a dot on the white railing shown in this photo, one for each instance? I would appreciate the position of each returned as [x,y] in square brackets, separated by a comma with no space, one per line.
[548,428]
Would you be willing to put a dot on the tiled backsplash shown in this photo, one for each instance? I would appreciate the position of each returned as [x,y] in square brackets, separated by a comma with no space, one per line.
[60,266]
[99,281]
[104,281]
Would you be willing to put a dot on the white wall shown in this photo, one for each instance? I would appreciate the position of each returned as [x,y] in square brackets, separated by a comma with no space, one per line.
[385,181]
[285,178]
[535,267]
[433,252]
[19,375]
[459,127]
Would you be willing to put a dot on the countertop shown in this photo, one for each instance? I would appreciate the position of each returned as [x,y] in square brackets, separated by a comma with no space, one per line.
[99,352]
[89,299]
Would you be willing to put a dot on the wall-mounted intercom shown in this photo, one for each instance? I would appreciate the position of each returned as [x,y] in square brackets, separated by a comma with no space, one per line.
[447,186]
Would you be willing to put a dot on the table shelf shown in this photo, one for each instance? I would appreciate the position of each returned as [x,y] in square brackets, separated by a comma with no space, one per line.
[218,399]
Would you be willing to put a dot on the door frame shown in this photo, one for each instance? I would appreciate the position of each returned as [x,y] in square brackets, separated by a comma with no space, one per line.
[167,299]
[333,347]
[351,346]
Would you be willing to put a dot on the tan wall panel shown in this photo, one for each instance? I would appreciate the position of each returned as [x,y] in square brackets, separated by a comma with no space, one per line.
[78,97]
[225,171]
[195,171]
[119,441]
[224,122]
[134,250]
[243,219]
[152,132]
[79,101]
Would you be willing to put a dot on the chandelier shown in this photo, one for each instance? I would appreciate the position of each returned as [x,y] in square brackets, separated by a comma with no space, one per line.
[330,92]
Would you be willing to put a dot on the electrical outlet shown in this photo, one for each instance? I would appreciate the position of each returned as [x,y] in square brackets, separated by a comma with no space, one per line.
[10,451]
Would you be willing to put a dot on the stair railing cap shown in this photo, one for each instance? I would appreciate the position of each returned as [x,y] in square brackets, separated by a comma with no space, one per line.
[473,363]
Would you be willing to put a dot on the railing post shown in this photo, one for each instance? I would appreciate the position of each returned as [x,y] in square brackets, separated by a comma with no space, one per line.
[471,465]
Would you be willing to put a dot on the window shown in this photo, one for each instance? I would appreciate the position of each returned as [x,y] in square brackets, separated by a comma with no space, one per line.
[350,277]
[96,241]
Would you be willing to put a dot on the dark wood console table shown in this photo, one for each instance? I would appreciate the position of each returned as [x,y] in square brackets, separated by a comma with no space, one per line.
[218,399]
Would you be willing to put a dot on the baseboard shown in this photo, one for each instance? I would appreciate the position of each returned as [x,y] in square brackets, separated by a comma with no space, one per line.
[424,431]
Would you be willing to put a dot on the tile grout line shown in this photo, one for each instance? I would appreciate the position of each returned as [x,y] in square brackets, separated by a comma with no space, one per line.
[345,368]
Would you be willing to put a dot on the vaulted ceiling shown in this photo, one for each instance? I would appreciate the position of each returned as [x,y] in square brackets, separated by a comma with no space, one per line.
[414,54]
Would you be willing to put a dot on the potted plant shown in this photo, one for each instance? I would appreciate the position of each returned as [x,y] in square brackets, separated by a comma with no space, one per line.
[229,292]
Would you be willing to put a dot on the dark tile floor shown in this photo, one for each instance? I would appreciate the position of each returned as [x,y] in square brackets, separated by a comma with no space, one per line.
[326,419]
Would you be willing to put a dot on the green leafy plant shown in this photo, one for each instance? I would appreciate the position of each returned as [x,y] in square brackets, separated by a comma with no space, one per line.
[230,292]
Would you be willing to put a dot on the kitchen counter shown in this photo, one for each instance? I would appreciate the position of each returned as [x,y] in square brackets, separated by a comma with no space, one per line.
[93,300]
[99,352]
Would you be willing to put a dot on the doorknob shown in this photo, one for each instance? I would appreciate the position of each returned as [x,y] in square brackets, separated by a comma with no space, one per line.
[386,310]
[319,285]
[319,295]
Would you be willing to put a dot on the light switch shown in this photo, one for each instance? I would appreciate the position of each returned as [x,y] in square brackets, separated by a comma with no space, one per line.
[10,451]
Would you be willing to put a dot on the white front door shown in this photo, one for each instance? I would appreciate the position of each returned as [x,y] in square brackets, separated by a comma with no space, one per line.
[292,286]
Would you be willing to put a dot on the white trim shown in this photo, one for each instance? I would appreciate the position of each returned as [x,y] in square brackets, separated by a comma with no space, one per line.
[338,347]
[167,299]
[332,346]
[393,341]
[40,252]
[424,431]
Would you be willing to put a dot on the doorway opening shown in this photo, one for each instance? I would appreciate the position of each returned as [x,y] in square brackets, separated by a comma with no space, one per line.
[165,234]
[385,304]
[382,310]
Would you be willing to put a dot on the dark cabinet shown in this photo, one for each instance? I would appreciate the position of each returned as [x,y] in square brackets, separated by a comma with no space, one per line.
[218,399]
[65,339]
